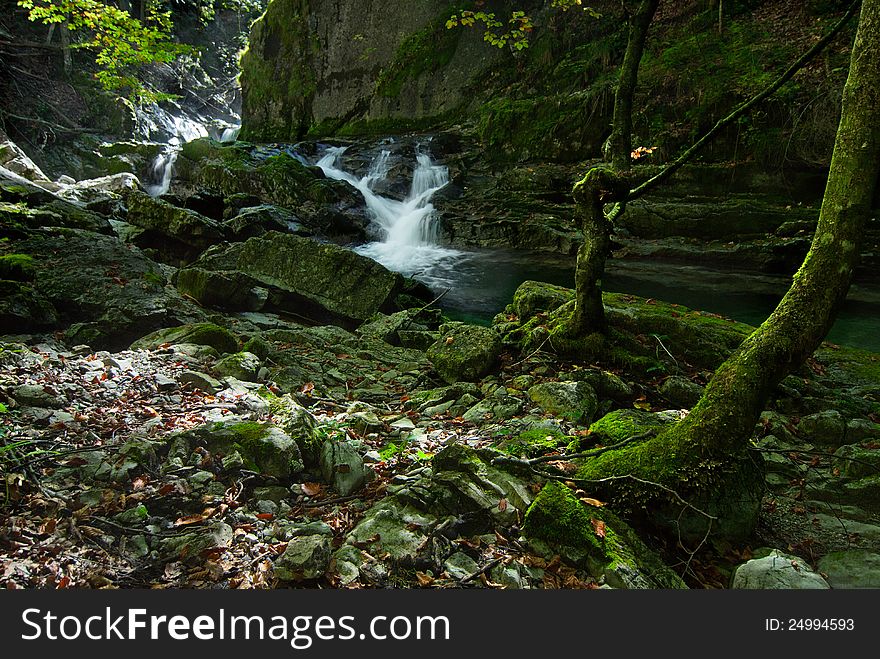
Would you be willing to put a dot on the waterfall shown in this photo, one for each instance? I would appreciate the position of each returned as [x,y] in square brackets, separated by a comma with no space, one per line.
[230,134]
[161,171]
[409,227]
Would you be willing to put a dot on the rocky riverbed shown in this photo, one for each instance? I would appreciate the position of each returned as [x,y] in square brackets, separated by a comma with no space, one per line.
[206,390]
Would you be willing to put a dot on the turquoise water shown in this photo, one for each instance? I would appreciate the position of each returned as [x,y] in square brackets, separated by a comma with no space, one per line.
[481,283]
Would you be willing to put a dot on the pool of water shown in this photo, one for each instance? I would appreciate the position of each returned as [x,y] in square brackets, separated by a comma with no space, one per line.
[480,283]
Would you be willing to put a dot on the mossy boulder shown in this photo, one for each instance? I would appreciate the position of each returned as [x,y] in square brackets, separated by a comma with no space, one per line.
[203,334]
[239,365]
[572,401]
[323,282]
[17,267]
[465,352]
[534,297]
[233,291]
[184,225]
[263,447]
[597,539]
[827,428]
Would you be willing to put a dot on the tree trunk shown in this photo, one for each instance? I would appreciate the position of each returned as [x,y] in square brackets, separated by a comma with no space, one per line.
[65,48]
[620,141]
[695,454]
[599,187]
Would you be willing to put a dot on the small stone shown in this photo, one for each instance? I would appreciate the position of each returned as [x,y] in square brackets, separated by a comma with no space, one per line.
[460,565]
[404,423]
[198,380]
[164,383]
[233,461]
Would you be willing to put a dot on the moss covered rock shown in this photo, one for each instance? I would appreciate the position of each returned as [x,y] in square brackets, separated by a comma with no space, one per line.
[465,352]
[239,365]
[263,447]
[573,401]
[323,282]
[203,334]
[23,308]
[234,291]
[184,225]
[596,538]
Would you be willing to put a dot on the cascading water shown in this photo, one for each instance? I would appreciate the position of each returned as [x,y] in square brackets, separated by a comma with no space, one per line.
[409,228]
[161,171]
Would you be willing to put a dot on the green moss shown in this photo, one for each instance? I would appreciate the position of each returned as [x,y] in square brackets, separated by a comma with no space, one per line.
[205,334]
[558,517]
[621,424]
[533,442]
[19,267]
[155,278]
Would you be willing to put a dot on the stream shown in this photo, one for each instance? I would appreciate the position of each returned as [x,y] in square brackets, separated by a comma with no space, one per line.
[479,283]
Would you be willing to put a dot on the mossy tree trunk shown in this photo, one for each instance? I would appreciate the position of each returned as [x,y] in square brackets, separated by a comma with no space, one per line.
[694,455]
[620,141]
[599,187]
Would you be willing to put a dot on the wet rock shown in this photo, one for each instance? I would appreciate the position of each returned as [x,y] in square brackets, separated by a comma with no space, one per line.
[257,220]
[342,466]
[206,334]
[465,352]
[775,571]
[23,308]
[680,391]
[851,569]
[573,401]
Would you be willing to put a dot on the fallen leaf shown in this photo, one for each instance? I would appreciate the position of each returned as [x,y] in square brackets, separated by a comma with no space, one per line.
[189,519]
[592,502]
[311,489]
[598,527]
[502,505]
[265,515]
[424,579]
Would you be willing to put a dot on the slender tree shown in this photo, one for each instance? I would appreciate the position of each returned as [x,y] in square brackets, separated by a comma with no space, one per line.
[704,455]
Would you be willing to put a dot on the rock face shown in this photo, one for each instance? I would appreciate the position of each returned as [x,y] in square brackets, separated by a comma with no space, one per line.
[344,61]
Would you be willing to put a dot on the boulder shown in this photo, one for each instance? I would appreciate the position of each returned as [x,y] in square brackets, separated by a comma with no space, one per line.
[465,352]
[233,291]
[204,334]
[263,447]
[186,226]
[239,365]
[105,293]
[573,401]
[322,282]
[681,391]
[777,571]
[856,568]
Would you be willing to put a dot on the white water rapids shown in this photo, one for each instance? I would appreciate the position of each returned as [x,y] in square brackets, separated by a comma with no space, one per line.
[409,228]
